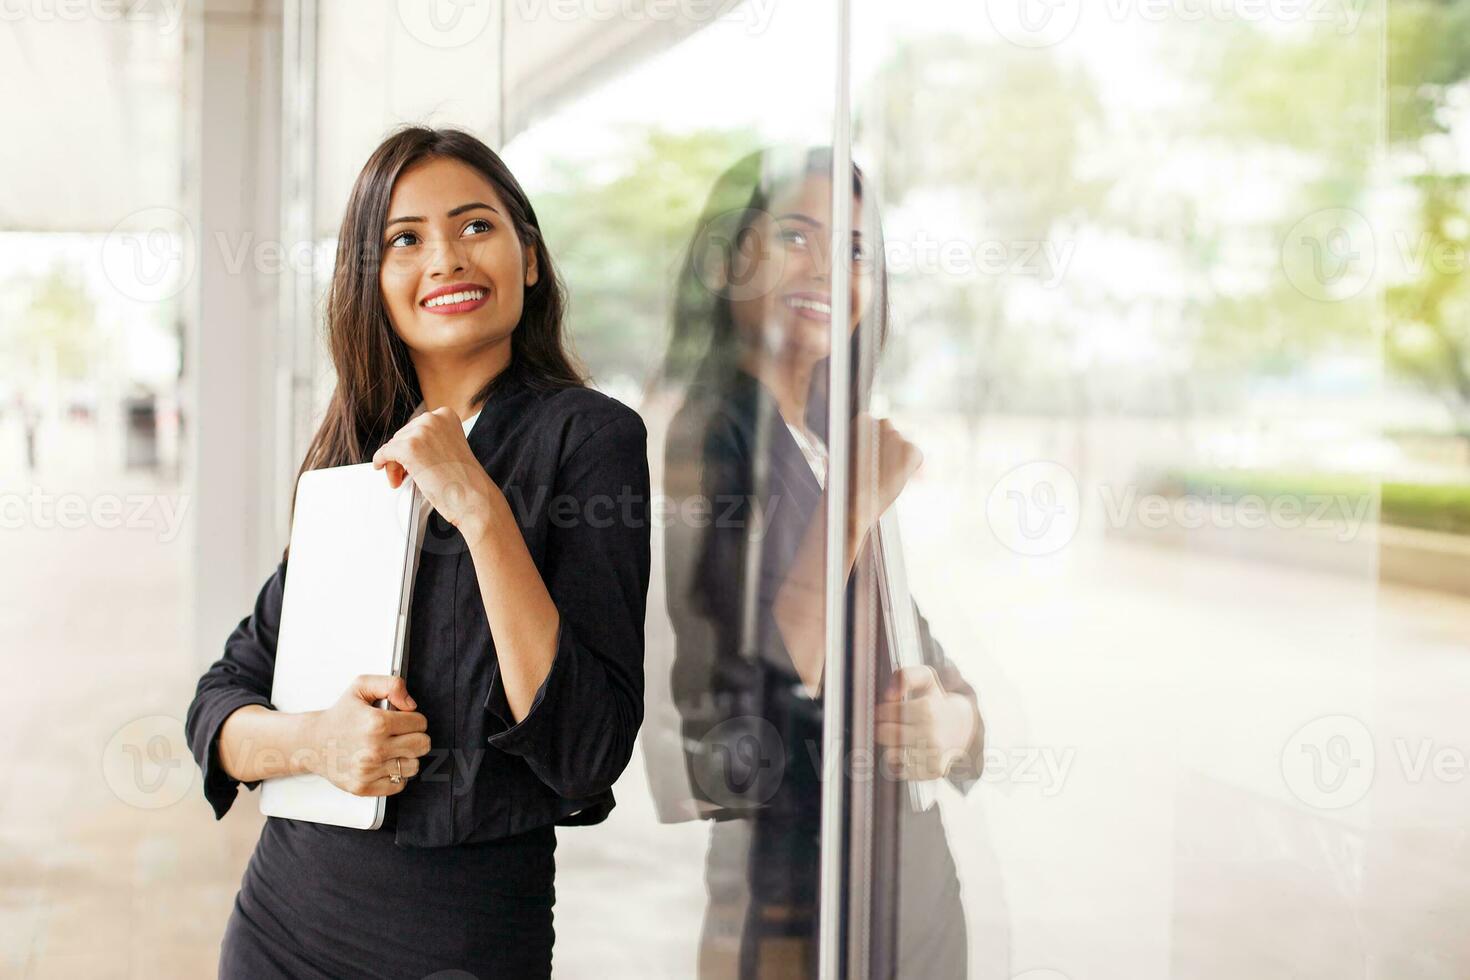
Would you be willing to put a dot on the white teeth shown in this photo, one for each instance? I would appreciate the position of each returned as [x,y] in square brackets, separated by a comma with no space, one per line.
[809,304]
[451,298]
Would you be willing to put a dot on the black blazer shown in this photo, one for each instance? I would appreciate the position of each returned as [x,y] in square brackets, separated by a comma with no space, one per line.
[573,465]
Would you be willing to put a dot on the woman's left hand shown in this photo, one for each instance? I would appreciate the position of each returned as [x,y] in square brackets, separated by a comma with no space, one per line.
[431,449]
[923,727]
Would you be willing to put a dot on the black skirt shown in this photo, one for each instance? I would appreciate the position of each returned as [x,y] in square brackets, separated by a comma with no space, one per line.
[327,903]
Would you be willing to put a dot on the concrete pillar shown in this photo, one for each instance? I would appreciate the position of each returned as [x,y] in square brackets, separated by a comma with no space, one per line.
[232,137]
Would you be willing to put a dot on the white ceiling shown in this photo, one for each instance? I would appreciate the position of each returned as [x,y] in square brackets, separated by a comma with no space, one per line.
[90,113]
[92,109]
[380,65]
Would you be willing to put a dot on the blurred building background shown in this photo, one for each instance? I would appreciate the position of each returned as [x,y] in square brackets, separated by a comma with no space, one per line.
[1180,321]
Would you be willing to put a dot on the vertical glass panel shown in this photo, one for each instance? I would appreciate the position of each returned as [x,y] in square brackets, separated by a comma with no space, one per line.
[1134,257]
[385,65]
[686,199]
[366,69]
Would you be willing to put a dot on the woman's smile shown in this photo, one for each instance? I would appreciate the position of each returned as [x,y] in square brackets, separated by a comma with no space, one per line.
[458,297]
[810,306]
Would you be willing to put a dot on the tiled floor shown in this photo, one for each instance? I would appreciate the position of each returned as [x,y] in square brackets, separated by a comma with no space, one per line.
[104,874]
[1175,849]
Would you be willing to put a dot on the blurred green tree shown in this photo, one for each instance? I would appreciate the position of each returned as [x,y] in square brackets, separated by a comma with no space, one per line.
[56,330]
[1014,123]
[619,227]
[1428,330]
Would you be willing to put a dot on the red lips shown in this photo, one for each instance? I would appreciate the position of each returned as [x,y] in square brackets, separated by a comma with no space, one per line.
[475,296]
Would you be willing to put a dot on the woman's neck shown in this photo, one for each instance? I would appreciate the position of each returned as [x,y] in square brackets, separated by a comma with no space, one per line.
[452,380]
[789,381]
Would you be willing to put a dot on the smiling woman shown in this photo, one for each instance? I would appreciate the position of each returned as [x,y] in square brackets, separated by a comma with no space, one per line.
[524,690]
[436,212]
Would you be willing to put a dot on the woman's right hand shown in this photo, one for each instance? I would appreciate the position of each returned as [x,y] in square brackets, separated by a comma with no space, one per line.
[884,461]
[356,743]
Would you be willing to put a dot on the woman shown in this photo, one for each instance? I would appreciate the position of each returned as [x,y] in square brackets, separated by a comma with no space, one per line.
[745,591]
[525,661]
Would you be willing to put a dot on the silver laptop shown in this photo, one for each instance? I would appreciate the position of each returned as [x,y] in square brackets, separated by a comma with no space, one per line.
[355,544]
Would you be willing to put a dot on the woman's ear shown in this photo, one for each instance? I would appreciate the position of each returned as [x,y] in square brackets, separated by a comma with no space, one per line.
[533,272]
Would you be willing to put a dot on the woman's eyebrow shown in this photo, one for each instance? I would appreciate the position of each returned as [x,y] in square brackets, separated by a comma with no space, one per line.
[473,205]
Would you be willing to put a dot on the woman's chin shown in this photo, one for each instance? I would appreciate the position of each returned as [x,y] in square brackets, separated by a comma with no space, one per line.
[455,333]
[805,337]
[814,341]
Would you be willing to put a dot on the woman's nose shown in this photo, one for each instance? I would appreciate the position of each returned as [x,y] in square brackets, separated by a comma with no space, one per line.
[446,259]
[819,258]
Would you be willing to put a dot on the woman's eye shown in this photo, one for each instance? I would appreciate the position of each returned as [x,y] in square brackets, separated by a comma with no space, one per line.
[401,239]
[477,227]
[793,236]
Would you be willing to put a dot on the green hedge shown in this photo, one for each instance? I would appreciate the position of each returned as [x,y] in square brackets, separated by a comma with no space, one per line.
[1432,506]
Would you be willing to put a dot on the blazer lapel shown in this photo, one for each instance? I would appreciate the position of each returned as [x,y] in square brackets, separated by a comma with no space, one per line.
[774,448]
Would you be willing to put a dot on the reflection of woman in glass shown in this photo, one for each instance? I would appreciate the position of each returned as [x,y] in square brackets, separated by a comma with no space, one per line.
[745,582]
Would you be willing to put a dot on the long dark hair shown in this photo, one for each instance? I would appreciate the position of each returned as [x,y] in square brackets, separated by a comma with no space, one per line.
[377,387]
[704,344]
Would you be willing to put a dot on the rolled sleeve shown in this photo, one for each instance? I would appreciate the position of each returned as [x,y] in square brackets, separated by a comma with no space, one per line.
[242,676]
[519,734]
[578,735]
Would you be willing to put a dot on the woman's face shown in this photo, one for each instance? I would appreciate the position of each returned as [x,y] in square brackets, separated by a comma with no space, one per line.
[781,281]
[454,272]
